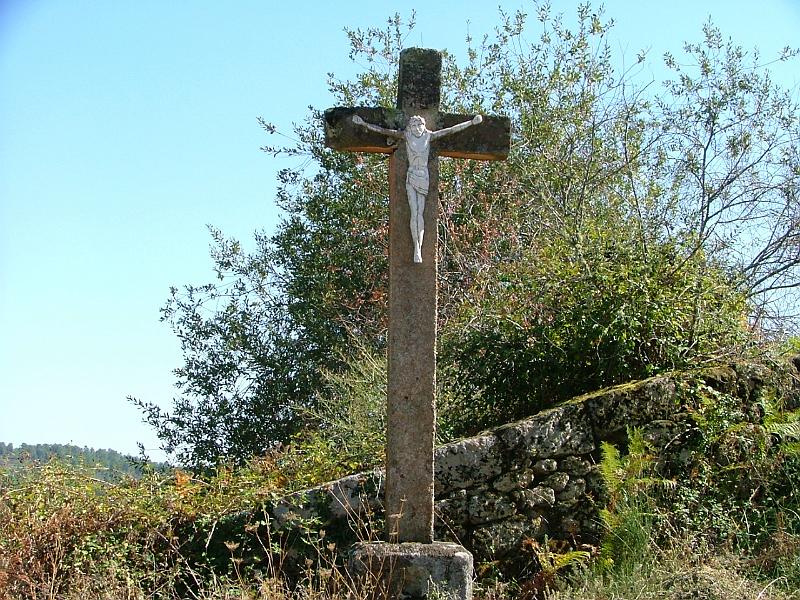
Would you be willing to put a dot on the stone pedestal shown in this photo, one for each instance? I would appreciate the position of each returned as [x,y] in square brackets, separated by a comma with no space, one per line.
[414,571]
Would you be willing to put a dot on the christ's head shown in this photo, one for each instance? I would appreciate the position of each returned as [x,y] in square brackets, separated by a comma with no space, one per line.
[417,125]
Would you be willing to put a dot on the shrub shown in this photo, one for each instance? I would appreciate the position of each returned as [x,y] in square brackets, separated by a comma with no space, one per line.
[60,527]
[563,322]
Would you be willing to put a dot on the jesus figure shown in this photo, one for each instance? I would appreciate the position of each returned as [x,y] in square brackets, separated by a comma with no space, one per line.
[418,140]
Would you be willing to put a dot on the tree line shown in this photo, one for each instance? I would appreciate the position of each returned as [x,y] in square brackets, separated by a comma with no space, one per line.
[103,460]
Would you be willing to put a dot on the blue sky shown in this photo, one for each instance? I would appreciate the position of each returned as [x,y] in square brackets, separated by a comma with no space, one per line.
[127,127]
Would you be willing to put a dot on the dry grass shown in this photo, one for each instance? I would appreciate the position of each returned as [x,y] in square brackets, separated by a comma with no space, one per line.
[65,536]
[681,574]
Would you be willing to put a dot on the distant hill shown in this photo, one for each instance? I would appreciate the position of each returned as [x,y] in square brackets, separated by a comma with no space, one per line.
[109,464]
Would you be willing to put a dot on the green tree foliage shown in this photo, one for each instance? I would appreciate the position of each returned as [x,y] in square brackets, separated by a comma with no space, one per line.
[346,428]
[609,318]
[632,230]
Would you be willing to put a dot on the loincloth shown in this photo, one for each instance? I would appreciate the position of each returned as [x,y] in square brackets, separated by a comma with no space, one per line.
[417,178]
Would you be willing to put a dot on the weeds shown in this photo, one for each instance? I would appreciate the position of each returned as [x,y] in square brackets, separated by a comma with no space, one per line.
[714,513]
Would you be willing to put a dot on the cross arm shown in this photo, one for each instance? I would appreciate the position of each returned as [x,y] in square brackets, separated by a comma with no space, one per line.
[342,134]
[490,140]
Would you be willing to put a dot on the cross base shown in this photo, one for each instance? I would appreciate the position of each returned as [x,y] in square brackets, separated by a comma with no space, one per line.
[414,571]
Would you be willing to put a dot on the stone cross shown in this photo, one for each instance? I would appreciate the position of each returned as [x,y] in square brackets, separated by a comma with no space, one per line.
[411,410]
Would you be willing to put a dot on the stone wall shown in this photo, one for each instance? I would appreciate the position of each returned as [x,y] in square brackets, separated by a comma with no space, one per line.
[529,479]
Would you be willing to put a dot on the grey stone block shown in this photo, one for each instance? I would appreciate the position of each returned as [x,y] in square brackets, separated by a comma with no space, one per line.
[574,489]
[514,480]
[560,431]
[613,410]
[504,537]
[414,571]
[540,496]
[557,481]
[466,463]
[545,466]
[574,465]
[487,507]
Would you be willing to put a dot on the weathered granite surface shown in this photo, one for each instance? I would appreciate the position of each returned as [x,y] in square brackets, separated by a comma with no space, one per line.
[413,571]
[413,279]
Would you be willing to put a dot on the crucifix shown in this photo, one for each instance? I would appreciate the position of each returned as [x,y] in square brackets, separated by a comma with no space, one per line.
[415,134]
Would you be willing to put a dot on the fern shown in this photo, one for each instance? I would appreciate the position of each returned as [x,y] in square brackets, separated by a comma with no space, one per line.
[788,431]
[630,512]
[784,424]
[611,468]
[656,482]
[573,558]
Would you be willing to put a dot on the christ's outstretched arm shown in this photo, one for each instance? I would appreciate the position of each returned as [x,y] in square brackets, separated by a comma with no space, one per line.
[393,133]
[456,128]
[417,141]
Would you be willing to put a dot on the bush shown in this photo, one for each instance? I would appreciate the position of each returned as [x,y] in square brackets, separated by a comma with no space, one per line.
[738,475]
[62,529]
[562,322]
[346,431]
[718,502]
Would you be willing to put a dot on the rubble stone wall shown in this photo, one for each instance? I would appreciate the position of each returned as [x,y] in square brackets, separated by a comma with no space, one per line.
[525,480]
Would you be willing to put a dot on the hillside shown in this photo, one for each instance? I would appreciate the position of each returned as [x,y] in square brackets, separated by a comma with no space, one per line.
[109,464]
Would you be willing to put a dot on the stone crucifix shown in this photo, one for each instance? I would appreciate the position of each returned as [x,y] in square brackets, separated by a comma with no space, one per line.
[417,138]
[413,187]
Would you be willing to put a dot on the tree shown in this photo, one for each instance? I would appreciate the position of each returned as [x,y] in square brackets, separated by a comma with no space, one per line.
[729,156]
[604,246]
[635,267]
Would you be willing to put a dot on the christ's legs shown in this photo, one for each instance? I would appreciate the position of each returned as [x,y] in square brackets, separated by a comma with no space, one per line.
[416,202]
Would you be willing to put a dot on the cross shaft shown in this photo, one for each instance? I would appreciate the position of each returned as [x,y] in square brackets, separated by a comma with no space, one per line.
[411,408]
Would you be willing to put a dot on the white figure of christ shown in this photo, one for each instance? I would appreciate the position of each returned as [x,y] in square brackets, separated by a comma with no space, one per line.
[418,140]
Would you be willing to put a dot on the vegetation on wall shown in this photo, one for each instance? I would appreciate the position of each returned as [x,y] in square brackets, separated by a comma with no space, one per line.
[713,514]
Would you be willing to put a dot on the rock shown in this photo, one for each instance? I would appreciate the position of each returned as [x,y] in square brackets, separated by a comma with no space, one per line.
[570,526]
[545,466]
[351,495]
[502,538]
[514,480]
[574,465]
[488,507]
[612,411]
[557,481]
[461,464]
[560,431]
[575,488]
[413,570]
[540,496]
[662,431]
[453,509]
